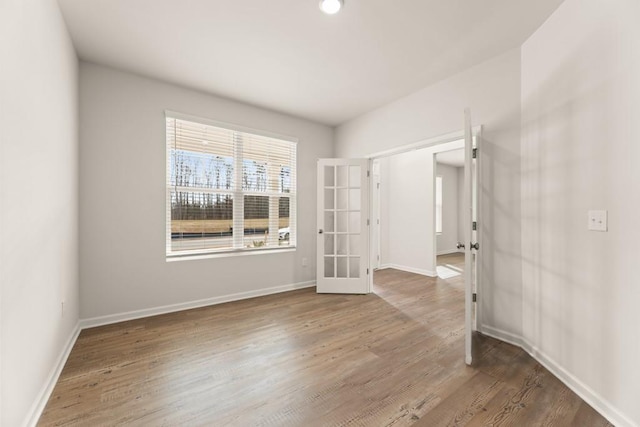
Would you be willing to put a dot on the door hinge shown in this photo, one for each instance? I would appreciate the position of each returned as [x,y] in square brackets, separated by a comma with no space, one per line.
[368,174]
[378,257]
[367,222]
[475,226]
[367,271]
[378,184]
[474,153]
[474,297]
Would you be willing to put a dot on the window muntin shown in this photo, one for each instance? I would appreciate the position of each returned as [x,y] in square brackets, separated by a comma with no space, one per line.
[228,189]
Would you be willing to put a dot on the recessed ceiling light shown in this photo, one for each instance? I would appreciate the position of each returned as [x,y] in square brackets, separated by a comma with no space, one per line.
[331,7]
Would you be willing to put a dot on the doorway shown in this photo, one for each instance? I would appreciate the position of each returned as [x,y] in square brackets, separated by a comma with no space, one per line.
[410,242]
[449,228]
[410,226]
[405,212]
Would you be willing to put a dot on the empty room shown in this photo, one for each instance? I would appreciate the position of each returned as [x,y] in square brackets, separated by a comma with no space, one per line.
[319,213]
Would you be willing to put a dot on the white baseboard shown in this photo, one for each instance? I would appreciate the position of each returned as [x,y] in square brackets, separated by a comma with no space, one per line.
[138,314]
[412,270]
[383,266]
[600,404]
[501,335]
[449,252]
[43,397]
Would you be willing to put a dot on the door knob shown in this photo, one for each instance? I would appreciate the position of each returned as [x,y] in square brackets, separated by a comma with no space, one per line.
[320,231]
[460,245]
[475,246]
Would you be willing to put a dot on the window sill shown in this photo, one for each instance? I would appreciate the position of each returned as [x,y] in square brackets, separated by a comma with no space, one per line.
[197,255]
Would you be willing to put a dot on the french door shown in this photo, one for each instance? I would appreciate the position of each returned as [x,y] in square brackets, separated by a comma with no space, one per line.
[343,226]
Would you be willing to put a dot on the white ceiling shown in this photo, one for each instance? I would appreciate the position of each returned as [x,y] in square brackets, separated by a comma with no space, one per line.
[452,158]
[287,56]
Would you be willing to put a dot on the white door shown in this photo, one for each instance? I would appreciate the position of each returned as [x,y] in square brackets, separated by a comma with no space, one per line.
[471,246]
[343,235]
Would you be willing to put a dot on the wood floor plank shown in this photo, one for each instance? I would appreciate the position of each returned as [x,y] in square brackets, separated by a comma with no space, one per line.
[392,358]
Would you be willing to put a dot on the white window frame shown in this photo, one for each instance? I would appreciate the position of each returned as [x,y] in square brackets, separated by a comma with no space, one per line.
[238,195]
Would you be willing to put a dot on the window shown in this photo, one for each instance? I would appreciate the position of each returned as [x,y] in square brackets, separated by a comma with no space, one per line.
[438,204]
[228,189]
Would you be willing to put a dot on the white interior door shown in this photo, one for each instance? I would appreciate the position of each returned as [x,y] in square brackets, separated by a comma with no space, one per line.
[343,229]
[471,246]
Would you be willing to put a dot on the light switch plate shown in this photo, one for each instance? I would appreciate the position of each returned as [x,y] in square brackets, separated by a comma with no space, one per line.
[597,221]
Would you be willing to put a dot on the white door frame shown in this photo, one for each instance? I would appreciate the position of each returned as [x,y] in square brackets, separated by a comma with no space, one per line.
[425,143]
[375,213]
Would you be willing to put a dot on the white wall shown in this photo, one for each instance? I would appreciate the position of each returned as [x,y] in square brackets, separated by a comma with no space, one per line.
[122,157]
[492,91]
[447,240]
[38,201]
[409,231]
[580,151]
[385,256]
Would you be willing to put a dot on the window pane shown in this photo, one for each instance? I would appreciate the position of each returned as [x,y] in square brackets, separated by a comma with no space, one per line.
[329,266]
[329,178]
[342,196]
[354,199]
[201,220]
[256,221]
[284,221]
[342,219]
[200,170]
[342,267]
[342,244]
[329,244]
[329,202]
[342,173]
[329,221]
[354,244]
[254,176]
[354,222]
[354,267]
[285,179]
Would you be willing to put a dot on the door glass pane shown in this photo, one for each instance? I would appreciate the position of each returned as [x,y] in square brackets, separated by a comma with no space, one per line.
[354,176]
[343,176]
[329,176]
[342,267]
[328,266]
[328,221]
[354,199]
[354,267]
[342,244]
[343,200]
[329,248]
[354,222]
[354,244]
[342,221]
[329,202]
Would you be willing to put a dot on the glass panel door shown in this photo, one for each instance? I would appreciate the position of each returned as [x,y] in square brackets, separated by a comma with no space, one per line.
[342,226]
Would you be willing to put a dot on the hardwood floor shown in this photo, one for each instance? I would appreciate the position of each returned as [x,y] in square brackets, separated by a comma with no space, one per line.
[302,359]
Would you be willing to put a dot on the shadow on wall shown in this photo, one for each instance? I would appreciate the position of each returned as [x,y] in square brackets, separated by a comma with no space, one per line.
[501,250]
[570,275]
